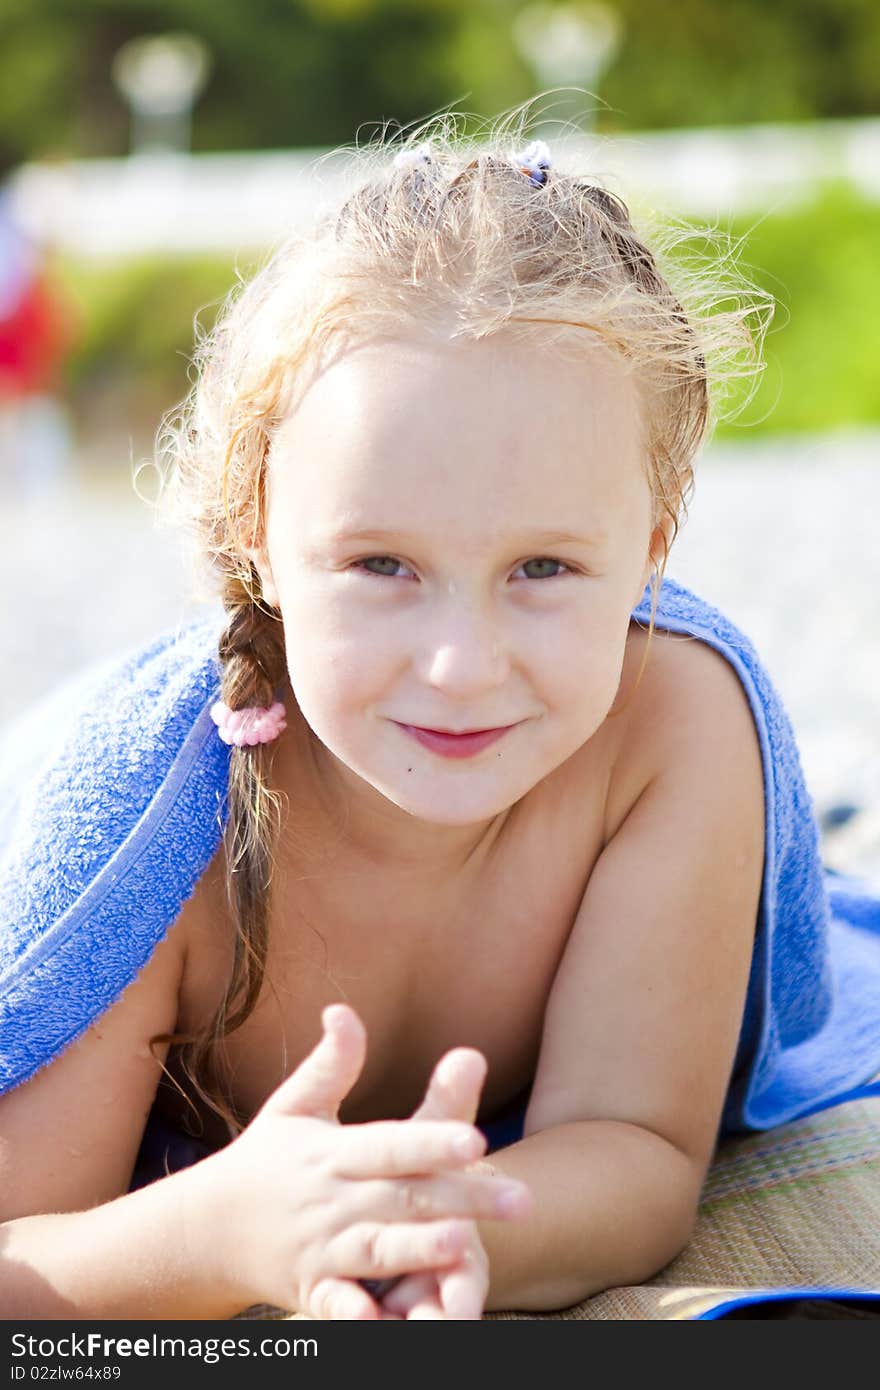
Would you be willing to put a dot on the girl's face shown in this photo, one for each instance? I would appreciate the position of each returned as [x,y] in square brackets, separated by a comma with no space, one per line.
[456,536]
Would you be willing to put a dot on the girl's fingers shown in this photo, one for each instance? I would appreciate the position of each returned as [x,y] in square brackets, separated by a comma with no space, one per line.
[463,1291]
[340,1300]
[323,1079]
[412,1290]
[453,1091]
[458,1293]
[372,1250]
[402,1148]
[426,1308]
[468,1195]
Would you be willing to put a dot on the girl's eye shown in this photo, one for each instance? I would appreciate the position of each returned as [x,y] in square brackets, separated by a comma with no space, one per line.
[545,567]
[386,565]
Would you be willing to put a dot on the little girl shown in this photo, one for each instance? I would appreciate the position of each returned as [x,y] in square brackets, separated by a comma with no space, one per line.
[461,829]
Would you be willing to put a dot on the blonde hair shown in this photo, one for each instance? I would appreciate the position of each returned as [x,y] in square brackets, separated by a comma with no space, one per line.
[462,242]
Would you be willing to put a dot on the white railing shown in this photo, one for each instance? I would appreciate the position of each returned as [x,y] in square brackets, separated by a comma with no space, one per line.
[108,208]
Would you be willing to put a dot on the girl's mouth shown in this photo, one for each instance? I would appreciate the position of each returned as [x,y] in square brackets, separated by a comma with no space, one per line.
[455,745]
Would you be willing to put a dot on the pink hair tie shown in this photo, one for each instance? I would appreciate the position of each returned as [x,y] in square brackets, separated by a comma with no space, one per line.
[250,725]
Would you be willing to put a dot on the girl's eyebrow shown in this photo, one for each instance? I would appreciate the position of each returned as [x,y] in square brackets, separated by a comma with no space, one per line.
[526,536]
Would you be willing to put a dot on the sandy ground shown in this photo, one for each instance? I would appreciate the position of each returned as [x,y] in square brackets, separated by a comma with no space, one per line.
[782,536]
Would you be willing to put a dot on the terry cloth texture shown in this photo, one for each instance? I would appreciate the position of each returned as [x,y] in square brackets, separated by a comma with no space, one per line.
[112,803]
[111,798]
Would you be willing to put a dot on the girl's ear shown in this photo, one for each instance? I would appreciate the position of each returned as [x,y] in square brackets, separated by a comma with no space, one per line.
[260,561]
[661,538]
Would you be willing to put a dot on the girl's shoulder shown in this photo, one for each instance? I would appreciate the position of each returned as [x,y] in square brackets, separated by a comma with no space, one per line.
[701,667]
[689,688]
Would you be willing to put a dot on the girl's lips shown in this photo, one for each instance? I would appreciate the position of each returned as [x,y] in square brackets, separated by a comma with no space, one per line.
[455,745]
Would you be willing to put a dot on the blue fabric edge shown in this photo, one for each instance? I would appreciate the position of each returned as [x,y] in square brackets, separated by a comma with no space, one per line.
[154,836]
[783,1296]
[871,1090]
[132,848]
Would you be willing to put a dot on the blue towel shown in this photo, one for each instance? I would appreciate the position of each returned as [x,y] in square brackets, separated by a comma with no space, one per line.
[112,796]
[113,801]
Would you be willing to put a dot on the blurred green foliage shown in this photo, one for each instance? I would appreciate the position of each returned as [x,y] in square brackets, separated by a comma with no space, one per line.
[819,262]
[315,72]
[717,62]
[139,317]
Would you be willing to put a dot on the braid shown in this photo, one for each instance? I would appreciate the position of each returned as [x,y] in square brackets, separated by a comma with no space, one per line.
[251,652]
[251,649]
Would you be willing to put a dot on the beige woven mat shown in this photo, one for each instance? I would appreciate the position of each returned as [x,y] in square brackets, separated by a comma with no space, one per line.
[796,1207]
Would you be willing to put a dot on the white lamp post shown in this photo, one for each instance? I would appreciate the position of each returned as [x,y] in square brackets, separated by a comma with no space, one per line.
[567,44]
[161,77]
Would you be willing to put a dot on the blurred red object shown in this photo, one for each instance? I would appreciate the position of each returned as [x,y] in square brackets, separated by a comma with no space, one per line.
[39,323]
[35,336]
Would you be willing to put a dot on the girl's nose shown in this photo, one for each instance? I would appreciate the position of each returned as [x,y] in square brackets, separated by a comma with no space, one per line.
[466,658]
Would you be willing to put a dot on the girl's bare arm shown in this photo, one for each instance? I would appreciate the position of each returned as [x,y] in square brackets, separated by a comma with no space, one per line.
[611,1205]
[135,1257]
[643,1019]
[71,1244]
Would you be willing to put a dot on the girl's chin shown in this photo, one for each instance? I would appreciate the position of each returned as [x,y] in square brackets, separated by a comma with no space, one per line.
[454,793]
[436,809]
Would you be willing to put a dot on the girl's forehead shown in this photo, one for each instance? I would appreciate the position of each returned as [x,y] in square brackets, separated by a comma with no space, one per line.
[442,357]
[453,438]
[389,392]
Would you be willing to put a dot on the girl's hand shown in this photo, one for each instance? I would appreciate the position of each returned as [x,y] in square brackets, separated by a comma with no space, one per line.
[309,1206]
[459,1290]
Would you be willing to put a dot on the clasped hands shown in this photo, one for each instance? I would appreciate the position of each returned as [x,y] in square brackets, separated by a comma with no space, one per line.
[364,1221]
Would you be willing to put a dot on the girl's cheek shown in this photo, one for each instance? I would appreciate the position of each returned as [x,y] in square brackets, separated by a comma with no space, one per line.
[342,669]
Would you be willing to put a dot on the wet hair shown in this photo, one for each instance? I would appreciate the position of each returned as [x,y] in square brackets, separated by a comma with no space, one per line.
[461,244]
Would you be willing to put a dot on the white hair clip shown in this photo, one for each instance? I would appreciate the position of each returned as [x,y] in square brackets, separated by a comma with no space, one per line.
[534,162]
[412,159]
